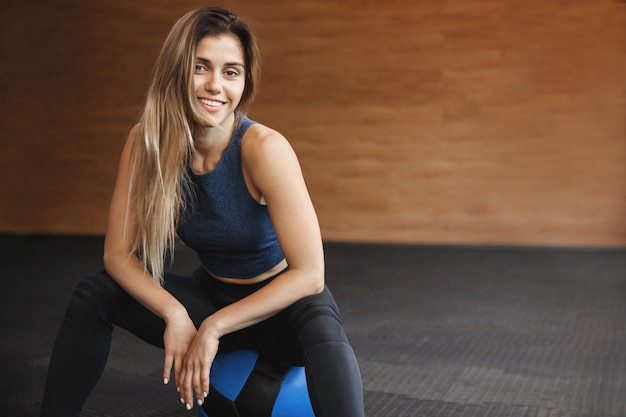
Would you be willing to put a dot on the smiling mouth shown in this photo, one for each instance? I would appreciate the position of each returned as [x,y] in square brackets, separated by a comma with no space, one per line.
[211,103]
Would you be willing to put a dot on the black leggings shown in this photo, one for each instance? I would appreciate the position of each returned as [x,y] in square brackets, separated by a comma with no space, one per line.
[308,333]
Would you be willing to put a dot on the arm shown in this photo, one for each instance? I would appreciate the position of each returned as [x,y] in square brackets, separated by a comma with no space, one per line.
[128,271]
[272,168]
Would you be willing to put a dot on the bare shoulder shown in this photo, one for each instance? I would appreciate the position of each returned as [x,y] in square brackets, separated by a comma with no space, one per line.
[131,139]
[262,142]
[133,135]
[259,135]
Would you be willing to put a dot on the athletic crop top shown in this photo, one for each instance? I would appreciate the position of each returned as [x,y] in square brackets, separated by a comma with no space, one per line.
[231,232]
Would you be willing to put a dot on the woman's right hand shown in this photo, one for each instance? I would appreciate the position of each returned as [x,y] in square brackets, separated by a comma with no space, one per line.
[179,333]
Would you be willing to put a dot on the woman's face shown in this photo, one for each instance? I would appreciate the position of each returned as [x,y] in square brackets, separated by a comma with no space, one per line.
[219,75]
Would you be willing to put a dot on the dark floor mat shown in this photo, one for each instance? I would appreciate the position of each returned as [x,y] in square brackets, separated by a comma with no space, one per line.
[438,331]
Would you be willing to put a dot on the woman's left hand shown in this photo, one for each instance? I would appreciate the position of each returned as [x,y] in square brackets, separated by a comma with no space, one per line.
[194,378]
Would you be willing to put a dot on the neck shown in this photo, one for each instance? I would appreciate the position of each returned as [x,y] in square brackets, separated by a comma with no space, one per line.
[213,139]
[210,144]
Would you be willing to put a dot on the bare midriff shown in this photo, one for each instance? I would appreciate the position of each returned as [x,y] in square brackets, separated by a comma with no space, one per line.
[254,280]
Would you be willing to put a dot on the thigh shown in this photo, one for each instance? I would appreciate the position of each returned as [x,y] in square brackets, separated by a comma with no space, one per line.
[274,338]
[286,336]
[198,299]
[143,323]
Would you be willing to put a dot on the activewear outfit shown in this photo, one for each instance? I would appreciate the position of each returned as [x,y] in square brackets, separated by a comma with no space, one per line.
[233,236]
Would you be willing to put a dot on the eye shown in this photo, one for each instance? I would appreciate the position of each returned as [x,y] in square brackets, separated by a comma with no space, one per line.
[199,68]
[231,73]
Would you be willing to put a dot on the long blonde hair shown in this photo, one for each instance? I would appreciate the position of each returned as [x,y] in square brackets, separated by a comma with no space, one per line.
[164,146]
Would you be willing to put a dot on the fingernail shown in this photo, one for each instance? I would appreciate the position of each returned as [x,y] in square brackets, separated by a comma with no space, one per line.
[165,381]
[199,402]
[205,394]
[182,401]
[178,389]
[188,407]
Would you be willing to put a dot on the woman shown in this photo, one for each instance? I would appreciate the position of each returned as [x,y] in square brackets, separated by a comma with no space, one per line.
[232,189]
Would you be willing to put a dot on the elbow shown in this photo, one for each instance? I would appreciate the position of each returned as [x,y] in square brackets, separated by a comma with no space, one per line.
[310,280]
[112,260]
[317,281]
[107,261]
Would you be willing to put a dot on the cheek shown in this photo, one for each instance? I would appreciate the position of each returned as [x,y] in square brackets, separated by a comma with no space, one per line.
[238,90]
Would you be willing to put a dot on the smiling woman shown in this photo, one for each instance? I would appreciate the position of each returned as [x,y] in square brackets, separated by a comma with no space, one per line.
[218,77]
[196,167]
[219,84]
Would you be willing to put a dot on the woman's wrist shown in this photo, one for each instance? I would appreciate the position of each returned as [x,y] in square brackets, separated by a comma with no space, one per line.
[211,327]
[175,312]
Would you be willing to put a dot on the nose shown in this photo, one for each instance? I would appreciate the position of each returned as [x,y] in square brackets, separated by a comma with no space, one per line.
[212,83]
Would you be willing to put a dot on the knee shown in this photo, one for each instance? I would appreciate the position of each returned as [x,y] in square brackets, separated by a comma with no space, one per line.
[308,308]
[93,303]
[316,320]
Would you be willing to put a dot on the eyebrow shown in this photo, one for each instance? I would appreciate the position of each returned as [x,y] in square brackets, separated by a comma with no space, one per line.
[228,64]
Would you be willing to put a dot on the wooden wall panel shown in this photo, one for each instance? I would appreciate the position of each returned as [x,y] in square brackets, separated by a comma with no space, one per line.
[480,121]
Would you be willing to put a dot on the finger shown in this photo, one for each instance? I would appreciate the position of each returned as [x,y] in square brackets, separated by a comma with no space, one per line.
[206,369]
[167,367]
[178,372]
[186,389]
[198,385]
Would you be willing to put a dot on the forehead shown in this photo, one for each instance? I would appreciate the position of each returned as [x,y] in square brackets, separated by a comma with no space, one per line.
[225,48]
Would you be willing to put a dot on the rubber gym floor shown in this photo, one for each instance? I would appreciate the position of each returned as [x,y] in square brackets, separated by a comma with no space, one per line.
[446,331]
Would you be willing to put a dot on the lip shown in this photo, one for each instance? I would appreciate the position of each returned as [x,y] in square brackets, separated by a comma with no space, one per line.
[211,105]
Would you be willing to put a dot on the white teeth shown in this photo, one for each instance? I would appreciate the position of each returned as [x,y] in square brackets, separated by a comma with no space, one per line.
[212,103]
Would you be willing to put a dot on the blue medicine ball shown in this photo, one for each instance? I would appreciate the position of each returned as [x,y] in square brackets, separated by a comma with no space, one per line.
[245,384]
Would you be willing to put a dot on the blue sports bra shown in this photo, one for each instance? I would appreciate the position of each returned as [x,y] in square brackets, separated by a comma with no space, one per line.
[231,232]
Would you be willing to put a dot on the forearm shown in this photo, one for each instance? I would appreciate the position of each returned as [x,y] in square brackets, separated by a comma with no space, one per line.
[131,275]
[264,303]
